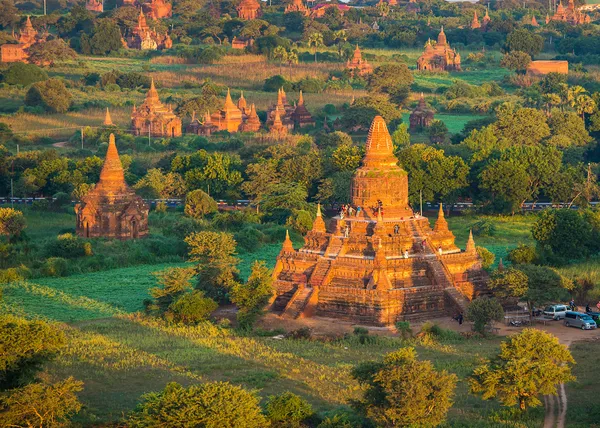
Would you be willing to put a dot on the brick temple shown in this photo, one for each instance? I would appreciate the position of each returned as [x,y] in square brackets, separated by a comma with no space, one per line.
[382,265]
[570,14]
[440,57]
[154,118]
[112,209]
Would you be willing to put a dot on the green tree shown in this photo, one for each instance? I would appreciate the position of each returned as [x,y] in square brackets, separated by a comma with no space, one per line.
[523,254]
[523,40]
[563,233]
[569,125]
[12,222]
[191,308]
[516,60]
[198,204]
[210,405]
[483,142]
[509,283]
[215,254]
[487,257]
[401,137]
[346,157]
[437,131]
[20,73]
[9,14]
[388,77]
[544,285]
[106,38]
[40,404]
[482,311]
[252,296]
[315,40]
[403,391]
[530,364]
[506,183]
[51,94]
[288,196]
[24,347]
[287,410]
[158,185]
[520,126]
[47,53]
[280,54]
[173,282]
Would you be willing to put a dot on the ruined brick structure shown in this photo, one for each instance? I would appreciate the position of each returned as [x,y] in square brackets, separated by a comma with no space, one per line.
[318,11]
[158,9]
[382,265]
[440,57]
[570,14]
[95,5]
[541,68]
[297,6]
[112,209]
[154,118]
[357,65]
[421,116]
[248,9]
[301,116]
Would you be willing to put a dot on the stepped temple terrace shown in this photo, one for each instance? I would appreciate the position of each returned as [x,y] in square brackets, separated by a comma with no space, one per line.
[112,209]
[440,57]
[377,262]
[154,118]
[17,52]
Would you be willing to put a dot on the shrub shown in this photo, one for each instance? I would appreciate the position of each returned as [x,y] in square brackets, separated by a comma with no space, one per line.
[67,246]
[301,220]
[212,404]
[250,239]
[523,254]
[275,83]
[12,222]
[403,328]
[482,311]
[484,227]
[288,409]
[192,307]
[487,257]
[198,203]
[20,73]
[51,94]
[55,266]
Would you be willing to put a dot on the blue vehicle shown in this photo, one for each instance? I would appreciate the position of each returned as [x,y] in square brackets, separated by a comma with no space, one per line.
[580,320]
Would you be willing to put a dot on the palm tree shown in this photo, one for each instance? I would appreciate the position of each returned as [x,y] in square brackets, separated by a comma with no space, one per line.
[292,58]
[280,54]
[584,104]
[573,93]
[340,36]
[315,40]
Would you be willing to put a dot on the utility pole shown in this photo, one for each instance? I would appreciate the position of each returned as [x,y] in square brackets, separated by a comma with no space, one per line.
[421,201]
[81,138]
[589,183]
[149,130]
[17,149]
[44,7]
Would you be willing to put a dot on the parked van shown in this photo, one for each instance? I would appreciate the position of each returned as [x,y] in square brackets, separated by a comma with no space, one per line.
[582,321]
[556,312]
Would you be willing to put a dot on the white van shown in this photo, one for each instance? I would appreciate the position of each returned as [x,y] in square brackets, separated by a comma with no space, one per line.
[556,312]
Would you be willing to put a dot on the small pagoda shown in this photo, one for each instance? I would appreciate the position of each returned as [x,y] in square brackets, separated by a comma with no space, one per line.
[284,109]
[107,119]
[475,24]
[422,116]
[381,263]
[158,9]
[277,129]
[112,209]
[154,118]
[143,38]
[301,116]
[17,52]
[252,122]
[248,9]
[229,118]
[486,18]
[357,65]
[440,57]
[570,14]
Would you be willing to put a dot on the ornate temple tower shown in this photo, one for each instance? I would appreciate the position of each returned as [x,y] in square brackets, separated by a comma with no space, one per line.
[381,264]
[153,117]
[301,116]
[112,209]
[475,23]
[357,65]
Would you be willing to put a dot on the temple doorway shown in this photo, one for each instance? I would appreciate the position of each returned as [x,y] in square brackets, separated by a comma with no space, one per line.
[134,229]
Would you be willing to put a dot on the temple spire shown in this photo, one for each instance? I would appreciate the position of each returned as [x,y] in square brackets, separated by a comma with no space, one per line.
[471,243]
[379,149]
[287,243]
[319,223]
[112,177]
[440,224]
[301,99]
[107,119]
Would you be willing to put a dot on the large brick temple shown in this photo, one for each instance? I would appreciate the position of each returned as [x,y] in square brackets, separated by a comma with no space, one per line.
[112,209]
[382,265]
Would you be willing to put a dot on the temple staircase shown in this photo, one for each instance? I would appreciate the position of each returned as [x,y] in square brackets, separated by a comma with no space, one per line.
[297,303]
[443,279]
[335,246]
[320,272]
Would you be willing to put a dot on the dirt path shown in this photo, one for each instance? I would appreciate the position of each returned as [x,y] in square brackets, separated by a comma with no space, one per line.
[60,144]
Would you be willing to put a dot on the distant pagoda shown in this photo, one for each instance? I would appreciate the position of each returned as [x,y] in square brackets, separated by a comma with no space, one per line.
[112,209]
[357,65]
[154,118]
[421,116]
[301,116]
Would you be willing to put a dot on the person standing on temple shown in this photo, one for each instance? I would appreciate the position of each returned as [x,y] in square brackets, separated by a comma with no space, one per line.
[460,318]
[396,229]
[357,211]
[406,254]
[440,250]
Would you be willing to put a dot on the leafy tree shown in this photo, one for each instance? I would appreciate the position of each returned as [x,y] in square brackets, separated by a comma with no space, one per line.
[173,282]
[9,14]
[483,142]
[360,115]
[523,40]
[212,404]
[280,54]
[563,233]
[24,347]
[40,404]
[569,125]
[346,157]
[516,60]
[509,283]
[106,38]
[20,73]
[252,296]
[520,126]
[403,391]
[523,254]
[47,53]
[482,311]
[544,285]
[12,222]
[487,257]
[530,364]
[506,182]
[287,409]
[286,196]
[214,252]
[401,137]
[158,185]
[51,94]
[437,131]
[198,204]
[387,78]
[191,308]
[315,40]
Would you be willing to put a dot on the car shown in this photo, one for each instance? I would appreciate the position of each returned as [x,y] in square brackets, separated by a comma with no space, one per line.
[580,320]
[595,316]
[556,312]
